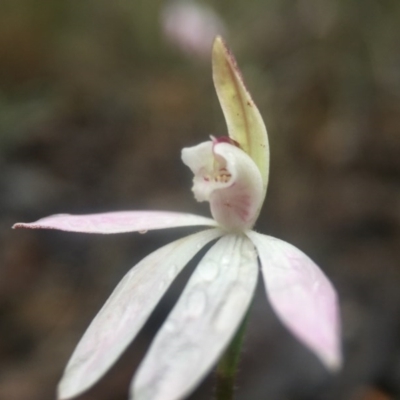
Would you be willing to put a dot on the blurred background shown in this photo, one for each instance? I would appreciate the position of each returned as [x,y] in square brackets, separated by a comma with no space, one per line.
[98,97]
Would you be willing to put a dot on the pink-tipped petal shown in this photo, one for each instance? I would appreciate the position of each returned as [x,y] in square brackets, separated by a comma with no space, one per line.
[117,222]
[126,311]
[302,297]
[201,324]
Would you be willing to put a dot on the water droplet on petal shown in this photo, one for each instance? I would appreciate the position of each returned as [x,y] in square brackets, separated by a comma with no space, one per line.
[143,232]
[223,318]
[162,284]
[316,285]
[209,270]
[169,326]
[225,260]
[249,255]
[196,304]
[172,271]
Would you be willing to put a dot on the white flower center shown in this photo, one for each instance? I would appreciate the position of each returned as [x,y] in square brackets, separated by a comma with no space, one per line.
[228,178]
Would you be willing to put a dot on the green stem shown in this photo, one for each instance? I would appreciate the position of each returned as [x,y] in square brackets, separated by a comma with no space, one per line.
[228,365]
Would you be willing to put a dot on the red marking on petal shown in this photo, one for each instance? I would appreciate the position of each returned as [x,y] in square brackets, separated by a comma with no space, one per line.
[225,139]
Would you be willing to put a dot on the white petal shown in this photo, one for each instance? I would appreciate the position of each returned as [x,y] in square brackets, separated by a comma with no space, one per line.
[200,159]
[117,222]
[229,179]
[201,324]
[238,205]
[126,311]
[302,297]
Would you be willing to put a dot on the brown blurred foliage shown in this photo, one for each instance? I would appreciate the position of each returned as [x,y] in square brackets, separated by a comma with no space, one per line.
[95,105]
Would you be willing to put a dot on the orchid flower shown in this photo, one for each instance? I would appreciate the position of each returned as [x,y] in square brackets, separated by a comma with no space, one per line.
[231,173]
